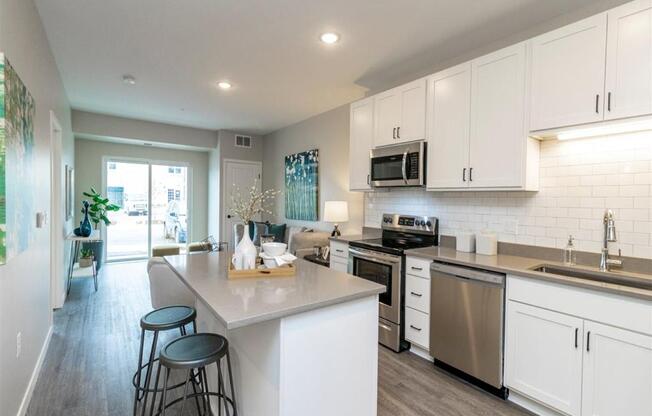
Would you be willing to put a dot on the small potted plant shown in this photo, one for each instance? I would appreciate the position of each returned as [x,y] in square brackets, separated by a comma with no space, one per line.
[85,257]
[98,209]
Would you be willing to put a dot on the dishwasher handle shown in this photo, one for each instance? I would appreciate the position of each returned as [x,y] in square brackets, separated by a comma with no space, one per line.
[469,273]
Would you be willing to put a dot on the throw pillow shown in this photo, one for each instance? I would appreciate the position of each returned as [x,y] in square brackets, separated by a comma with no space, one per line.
[278,231]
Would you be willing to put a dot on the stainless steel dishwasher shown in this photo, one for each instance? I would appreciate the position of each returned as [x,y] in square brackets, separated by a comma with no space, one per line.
[467,323]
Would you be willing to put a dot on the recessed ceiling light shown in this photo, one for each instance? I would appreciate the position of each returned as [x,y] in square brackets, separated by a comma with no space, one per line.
[329,38]
[129,79]
[225,85]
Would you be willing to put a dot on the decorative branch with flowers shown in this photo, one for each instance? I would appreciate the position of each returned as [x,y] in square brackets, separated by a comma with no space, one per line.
[255,202]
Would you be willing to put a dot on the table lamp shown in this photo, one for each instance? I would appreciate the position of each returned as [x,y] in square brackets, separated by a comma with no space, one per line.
[336,212]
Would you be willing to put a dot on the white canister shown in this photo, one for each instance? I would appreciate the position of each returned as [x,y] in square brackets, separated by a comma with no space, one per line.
[487,244]
[465,241]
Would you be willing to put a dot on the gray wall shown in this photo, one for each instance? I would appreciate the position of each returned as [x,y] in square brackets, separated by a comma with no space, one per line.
[88,172]
[328,132]
[25,279]
[92,125]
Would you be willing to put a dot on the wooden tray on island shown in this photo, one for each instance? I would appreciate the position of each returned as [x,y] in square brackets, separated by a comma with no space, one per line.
[283,271]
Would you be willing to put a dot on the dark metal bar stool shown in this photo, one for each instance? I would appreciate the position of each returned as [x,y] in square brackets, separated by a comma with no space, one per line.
[162,319]
[196,352]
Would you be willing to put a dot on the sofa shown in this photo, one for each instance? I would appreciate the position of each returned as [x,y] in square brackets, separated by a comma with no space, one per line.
[300,240]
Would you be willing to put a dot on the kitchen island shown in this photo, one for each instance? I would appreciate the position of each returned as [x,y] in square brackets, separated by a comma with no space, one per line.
[301,345]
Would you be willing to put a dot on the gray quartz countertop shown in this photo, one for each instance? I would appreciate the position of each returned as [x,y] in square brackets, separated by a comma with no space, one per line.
[242,302]
[521,266]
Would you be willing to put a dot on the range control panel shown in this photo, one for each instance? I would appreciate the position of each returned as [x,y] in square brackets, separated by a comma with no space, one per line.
[410,223]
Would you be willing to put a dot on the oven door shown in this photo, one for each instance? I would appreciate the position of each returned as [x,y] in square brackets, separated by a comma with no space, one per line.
[384,269]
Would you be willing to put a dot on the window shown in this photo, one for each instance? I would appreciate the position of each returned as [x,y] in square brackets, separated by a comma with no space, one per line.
[111,165]
[177,195]
[170,195]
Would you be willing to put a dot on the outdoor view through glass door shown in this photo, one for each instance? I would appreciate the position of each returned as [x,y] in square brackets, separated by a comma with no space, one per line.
[153,200]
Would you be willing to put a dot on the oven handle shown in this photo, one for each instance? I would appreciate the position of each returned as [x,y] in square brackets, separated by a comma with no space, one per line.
[404,167]
[374,256]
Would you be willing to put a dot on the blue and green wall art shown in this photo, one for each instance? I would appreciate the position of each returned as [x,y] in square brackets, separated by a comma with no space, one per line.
[302,186]
[17,191]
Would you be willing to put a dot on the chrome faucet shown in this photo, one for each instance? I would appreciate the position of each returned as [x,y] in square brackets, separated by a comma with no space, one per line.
[609,237]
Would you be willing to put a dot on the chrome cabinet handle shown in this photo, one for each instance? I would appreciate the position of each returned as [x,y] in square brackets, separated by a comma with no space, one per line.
[404,167]
[464,175]
[597,103]
[416,268]
[394,133]
[368,180]
[398,132]
[588,341]
[339,251]
[415,328]
[416,294]
[470,174]
[577,330]
[609,101]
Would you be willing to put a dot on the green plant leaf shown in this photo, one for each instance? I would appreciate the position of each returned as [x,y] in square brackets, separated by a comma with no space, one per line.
[87,194]
[93,190]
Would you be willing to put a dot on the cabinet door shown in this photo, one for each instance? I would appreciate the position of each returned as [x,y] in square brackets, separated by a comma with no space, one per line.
[629,60]
[338,264]
[617,372]
[387,117]
[568,67]
[498,137]
[413,112]
[543,356]
[360,143]
[449,112]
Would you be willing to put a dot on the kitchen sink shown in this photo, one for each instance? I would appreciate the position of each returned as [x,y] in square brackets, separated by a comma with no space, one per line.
[618,278]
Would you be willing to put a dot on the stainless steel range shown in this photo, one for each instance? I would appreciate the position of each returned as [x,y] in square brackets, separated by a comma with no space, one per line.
[382,260]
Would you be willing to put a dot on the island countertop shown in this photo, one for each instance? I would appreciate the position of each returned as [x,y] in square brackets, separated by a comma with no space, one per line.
[242,302]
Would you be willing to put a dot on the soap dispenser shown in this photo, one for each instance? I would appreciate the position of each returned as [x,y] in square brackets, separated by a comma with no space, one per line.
[569,252]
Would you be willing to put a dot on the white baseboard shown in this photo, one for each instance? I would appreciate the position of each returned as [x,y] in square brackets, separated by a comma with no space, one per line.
[22,410]
[531,405]
[420,352]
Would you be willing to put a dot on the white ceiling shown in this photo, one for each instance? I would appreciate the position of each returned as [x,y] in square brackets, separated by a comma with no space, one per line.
[268,49]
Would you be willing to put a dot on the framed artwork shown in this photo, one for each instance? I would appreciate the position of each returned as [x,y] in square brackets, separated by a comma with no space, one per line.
[17,190]
[70,192]
[302,186]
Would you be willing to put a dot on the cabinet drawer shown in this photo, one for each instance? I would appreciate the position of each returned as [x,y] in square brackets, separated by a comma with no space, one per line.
[339,249]
[417,327]
[417,293]
[418,267]
[339,264]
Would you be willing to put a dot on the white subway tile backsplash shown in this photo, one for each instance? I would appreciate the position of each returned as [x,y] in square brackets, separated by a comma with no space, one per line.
[578,181]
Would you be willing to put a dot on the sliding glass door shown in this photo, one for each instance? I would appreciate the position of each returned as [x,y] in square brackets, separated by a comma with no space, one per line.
[153,200]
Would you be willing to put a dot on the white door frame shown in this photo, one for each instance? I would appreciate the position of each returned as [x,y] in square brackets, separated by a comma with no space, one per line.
[149,162]
[223,202]
[57,243]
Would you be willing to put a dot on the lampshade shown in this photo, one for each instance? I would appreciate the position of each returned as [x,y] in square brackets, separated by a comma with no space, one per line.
[336,211]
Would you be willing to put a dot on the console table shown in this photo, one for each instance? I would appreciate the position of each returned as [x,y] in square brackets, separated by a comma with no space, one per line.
[75,244]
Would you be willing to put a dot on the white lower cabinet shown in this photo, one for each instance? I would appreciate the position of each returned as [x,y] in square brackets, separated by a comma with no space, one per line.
[559,357]
[617,372]
[339,256]
[542,359]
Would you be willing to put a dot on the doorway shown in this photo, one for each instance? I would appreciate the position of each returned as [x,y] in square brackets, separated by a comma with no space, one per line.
[238,175]
[57,215]
[154,207]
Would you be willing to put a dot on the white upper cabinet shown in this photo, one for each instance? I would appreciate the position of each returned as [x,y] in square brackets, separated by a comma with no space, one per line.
[628,85]
[476,125]
[498,137]
[568,68]
[360,143]
[448,122]
[400,114]
[617,372]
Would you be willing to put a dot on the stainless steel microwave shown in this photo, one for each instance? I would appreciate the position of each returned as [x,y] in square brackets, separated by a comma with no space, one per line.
[398,165]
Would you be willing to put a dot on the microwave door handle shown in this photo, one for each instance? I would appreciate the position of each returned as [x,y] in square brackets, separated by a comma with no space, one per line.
[404,167]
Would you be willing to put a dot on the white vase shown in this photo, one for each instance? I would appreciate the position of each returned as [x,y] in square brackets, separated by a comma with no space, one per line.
[246,251]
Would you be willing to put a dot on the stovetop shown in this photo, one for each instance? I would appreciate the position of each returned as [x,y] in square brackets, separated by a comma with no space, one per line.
[402,232]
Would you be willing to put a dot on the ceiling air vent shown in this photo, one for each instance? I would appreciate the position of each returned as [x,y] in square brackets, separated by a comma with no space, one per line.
[242,141]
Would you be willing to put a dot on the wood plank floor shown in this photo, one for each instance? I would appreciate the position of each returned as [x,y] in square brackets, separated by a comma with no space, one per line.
[94,349]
